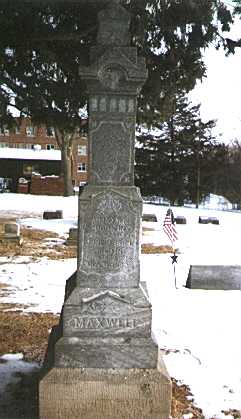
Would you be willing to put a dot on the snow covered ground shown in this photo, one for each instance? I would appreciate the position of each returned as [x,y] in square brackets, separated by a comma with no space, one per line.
[200,329]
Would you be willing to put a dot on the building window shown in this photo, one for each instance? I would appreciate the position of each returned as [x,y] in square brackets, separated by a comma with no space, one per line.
[82,150]
[30,131]
[29,146]
[17,129]
[81,167]
[50,147]
[50,132]
[3,145]
[4,131]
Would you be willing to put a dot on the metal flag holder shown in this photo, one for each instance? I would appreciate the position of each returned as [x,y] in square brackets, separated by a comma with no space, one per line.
[174,261]
[169,229]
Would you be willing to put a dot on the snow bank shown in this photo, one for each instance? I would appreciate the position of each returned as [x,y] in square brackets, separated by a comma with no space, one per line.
[199,329]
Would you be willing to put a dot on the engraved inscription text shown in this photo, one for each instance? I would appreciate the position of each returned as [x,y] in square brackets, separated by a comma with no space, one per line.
[96,323]
[110,238]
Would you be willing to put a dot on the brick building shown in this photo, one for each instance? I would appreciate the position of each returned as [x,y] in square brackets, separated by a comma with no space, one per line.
[28,149]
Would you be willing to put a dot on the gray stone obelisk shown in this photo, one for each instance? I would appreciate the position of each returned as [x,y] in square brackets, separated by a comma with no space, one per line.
[106,364]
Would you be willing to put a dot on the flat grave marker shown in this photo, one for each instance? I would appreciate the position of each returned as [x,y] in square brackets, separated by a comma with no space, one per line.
[214,277]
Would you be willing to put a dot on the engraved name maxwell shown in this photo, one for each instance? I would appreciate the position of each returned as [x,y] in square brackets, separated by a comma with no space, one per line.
[96,323]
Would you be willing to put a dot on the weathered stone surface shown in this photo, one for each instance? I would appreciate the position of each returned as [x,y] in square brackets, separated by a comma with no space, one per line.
[108,166]
[105,393]
[122,352]
[114,24]
[109,237]
[214,277]
[113,312]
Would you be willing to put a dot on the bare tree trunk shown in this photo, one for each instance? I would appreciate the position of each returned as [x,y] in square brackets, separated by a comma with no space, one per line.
[65,144]
[67,169]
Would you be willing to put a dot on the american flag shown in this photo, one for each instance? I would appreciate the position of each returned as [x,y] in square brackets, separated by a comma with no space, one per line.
[169,226]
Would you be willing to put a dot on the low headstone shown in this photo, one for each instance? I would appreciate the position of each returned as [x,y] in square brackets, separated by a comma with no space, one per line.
[203,220]
[10,232]
[2,229]
[149,217]
[12,229]
[208,220]
[73,237]
[179,219]
[52,215]
[214,277]
[213,220]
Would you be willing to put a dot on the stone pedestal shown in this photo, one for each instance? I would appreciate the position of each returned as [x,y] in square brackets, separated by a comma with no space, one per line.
[76,393]
[102,360]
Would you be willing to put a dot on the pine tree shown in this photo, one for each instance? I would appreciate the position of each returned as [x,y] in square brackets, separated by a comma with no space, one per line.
[170,162]
[229,181]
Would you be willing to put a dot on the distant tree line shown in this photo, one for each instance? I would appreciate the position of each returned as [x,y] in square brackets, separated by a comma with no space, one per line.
[180,159]
[227,179]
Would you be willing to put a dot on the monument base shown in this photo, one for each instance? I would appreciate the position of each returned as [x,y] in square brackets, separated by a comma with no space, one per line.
[73,393]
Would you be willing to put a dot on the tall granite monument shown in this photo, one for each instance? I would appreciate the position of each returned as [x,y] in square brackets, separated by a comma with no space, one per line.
[105,363]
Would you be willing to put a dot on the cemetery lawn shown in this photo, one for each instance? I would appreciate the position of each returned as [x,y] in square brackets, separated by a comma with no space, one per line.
[197,330]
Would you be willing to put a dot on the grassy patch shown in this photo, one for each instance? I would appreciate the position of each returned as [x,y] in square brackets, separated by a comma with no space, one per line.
[35,245]
[27,334]
[151,248]
[182,402]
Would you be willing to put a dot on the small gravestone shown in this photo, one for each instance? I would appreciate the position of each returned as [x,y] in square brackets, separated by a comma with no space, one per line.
[73,237]
[179,219]
[52,215]
[208,220]
[214,277]
[214,220]
[203,220]
[10,233]
[149,217]
[2,229]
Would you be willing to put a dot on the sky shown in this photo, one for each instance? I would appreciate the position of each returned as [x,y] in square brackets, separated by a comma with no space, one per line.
[220,92]
[198,329]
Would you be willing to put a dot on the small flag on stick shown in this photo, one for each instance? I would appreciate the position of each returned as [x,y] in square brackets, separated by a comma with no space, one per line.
[169,226]
[170,230]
